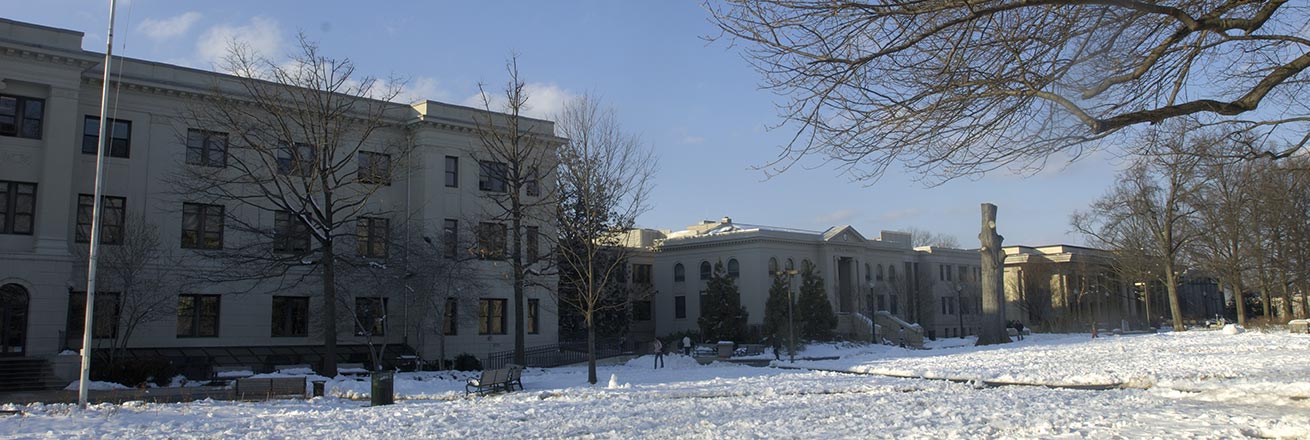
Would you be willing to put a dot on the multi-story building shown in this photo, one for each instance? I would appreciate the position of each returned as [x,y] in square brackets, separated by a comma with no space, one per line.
[49,105]
[883,281]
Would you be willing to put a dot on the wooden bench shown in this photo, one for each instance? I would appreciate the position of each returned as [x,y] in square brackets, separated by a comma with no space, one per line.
[304,369]
[228,373]
[353,369]
[264,388]
[490,381]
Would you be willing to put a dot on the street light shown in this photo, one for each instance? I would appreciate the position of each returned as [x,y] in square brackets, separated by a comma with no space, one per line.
[791,326]
[959,308]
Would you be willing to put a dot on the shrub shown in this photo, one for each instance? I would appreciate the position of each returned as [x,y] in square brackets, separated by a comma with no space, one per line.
[136,372]
[467,362]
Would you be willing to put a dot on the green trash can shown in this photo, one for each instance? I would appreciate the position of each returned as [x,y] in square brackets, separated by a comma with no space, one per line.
[383,391]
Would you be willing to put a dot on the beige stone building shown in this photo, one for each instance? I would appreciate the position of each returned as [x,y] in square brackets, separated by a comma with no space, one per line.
[49,105]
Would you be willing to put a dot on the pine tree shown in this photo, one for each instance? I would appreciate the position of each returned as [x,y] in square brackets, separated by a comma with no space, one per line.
[813,308]
[722,316]
[775,313]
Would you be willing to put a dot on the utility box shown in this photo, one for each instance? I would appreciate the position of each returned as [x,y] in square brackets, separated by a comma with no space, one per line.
[1299,326]
[725,349]
[383,390]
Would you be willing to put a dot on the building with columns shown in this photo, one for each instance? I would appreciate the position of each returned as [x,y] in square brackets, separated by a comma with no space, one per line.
[49,105]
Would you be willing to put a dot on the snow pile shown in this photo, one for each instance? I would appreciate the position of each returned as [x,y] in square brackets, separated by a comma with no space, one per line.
[95,385]
[1232,329]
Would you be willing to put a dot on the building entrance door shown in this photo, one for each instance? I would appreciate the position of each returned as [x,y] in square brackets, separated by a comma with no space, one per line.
[13,320]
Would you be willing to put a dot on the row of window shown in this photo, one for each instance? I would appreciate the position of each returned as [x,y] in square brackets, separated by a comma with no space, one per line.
[198,316]
[21,116]
[946,272]
[492,177]
[966,305]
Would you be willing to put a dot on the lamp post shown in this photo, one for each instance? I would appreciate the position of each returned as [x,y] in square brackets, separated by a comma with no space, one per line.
[959,308]
[791,326]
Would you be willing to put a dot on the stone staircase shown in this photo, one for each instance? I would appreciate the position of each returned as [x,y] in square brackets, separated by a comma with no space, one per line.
[891,325]
[858,327]
[27,374]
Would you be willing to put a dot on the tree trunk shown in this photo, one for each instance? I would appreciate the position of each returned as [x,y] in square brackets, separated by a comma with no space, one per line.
[993,267]
[591,352]
[1171,286]
[520,347]
[1240,300]
[329,312]
[1146,300]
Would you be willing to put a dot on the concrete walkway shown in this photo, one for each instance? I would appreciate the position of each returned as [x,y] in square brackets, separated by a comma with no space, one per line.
[976,382]
[159,395]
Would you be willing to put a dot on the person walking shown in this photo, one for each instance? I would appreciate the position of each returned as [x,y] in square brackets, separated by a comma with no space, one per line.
[1018,327]
[900,333]
[686,345]
[658,347]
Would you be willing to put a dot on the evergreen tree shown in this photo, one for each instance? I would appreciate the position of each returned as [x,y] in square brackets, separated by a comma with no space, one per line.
[775,313]
[722,316]
[813,309]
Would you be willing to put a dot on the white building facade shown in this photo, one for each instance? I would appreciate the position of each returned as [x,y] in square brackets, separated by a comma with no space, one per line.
[49,99]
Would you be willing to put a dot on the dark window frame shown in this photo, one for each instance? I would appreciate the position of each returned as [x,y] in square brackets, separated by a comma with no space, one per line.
[706,271]
[450,238]
[734,268]
[198,315]
[493,241]
[205,217]
[365,310]
[679,273]
[299,160]
[534,317]
[451,322]
[368,171]
[10,214]
[290,235]
[452,171]
[487,323]
[113,220]
[680,307]
[23,124]
[532,243]
[371,237]
[493,176]
[291,320]
[206,148]
[74,325]
[120,144]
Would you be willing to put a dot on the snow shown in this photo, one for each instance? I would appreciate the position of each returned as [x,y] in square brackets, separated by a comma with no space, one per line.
[1197,384]
[1232,329]
[95,385]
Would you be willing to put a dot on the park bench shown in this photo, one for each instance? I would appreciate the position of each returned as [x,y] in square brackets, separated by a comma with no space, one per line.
[224,374]
[297,369]
[501,379]
[263,388]
[352,369]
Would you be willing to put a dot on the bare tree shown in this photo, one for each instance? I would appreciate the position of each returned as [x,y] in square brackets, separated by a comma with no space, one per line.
[283,175]
[1152,206]
[960,87]
[141,274]
[516,157]
[604,181]
[1225,204]
[924,237]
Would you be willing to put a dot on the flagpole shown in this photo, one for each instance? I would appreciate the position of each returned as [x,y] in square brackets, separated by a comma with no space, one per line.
[87,323]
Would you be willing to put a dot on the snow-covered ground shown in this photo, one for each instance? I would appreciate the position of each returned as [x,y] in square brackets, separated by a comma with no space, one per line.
[1189,385]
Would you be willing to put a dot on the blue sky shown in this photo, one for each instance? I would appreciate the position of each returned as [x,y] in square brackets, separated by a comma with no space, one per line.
[696,103]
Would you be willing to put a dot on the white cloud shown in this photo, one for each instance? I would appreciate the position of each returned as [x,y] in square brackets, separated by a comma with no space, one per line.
[262,35]
[836,217]
[422,88]
[172,27]
[544,100]
[899,214]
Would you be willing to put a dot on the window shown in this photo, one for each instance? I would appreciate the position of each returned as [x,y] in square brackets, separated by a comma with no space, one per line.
[944,312]
[17,207]
[202,226]
[879,277]
[734,268]
[491,316]
[882,303]
[450,326]
[371,235]
[704,270]
[370,316]
[290,235]
[491,241]
[105,324]
[373,168]
[120,136]
[962,273]
[641,274]
[894,309]
[891,273]
[534,326]
[492,176]
[452,172]
[531,185]
[806,264]
[298,160]
[197,316]
[206,148]
[679,273]
[450,238]
[290,316]
[111,218]
[680,307]
[533,244]
[790,265]
[773,266]
[21,116]
[641,310]
[868,272]
[941,272]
